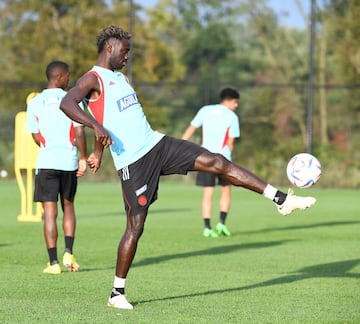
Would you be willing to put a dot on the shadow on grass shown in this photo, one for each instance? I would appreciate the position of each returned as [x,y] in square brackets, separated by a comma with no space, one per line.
[212,251]
[299,227]
[339,269]
[121,212]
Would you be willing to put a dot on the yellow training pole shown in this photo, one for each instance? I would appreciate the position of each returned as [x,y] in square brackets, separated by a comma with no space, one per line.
[26,152]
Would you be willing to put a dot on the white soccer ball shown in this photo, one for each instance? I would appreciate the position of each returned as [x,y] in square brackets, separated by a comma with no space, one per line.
[303,170]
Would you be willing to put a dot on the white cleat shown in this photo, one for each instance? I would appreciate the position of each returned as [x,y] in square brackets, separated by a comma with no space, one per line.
[119,301]
[293,202]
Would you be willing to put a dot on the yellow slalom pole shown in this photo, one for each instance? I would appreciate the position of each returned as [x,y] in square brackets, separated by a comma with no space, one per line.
[26,152]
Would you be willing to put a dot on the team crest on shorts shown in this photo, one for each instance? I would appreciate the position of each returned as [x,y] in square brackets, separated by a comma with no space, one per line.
[142,200]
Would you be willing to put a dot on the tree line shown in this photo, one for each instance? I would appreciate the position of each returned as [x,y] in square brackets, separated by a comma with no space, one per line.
[185,51]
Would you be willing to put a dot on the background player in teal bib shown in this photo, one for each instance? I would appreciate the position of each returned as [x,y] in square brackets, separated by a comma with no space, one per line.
[220,127]
[160,154]
[57,165]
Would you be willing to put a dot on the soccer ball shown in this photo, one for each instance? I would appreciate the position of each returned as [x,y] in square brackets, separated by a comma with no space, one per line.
[303,170]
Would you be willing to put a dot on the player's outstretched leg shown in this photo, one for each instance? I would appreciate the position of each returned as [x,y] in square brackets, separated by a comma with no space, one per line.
[241,177]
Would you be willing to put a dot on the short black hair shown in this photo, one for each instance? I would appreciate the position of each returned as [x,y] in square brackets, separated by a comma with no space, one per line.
[111,31]
[229,93]
[53,68]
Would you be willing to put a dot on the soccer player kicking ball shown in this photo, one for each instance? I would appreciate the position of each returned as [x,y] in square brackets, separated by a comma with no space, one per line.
[140,154]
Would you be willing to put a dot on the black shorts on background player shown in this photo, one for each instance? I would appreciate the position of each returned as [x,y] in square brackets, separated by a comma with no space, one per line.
[206,179]
[49,184]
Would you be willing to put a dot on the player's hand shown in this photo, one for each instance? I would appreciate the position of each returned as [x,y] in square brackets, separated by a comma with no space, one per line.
[94,162]
[82,164]
[102,136]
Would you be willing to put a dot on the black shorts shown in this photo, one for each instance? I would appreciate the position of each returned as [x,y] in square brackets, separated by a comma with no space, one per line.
[206,179]
[49,184]
[140,180]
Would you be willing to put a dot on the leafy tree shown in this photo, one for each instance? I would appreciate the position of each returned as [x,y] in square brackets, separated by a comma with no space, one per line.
[341,25]
[185,51]
[36,32]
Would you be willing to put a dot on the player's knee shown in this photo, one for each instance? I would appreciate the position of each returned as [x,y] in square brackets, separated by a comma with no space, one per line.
[219,163]
[136,226]
[209,161]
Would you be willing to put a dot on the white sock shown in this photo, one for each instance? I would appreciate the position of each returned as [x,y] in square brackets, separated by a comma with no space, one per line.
[119,282]
[270,192]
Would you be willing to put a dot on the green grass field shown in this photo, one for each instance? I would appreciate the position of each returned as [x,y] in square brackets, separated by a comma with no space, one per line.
[304,268]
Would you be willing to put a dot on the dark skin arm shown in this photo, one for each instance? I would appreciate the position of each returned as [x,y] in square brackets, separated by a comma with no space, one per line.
[87,84]
[94,160]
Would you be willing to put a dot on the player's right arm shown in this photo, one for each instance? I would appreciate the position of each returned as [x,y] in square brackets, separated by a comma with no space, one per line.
[32,125]
[87,84]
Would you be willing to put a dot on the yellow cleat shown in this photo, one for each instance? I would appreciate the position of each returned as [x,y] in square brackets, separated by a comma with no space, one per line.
[70,263]
[52,269]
